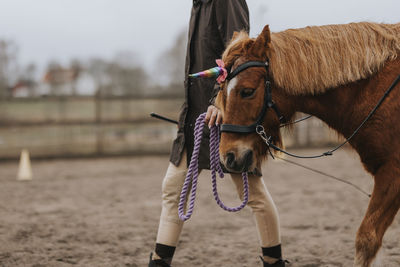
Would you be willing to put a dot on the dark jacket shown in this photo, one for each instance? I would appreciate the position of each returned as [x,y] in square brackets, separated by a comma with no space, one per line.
[212,24]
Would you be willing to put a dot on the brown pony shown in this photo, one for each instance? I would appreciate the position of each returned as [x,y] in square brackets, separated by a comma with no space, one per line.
[337,73]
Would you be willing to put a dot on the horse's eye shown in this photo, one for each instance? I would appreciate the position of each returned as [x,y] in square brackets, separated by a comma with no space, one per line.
[247,92]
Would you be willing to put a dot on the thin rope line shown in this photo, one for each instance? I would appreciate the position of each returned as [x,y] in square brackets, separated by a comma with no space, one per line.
[296,121]
[325,174]
[330,152]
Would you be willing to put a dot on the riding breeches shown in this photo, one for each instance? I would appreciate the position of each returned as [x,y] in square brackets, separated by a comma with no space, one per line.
[264,211]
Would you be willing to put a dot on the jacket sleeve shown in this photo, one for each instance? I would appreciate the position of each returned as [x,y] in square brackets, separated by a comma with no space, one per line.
[231,16]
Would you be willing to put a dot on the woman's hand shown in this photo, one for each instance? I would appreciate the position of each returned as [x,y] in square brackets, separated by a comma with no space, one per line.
[213,116]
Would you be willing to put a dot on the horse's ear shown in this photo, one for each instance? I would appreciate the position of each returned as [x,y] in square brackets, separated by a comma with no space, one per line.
[267,34]
[262,42]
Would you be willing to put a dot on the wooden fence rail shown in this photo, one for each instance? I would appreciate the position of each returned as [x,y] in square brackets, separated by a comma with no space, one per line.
[90,126]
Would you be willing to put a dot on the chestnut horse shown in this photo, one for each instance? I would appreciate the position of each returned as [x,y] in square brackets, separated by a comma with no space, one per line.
[337,73]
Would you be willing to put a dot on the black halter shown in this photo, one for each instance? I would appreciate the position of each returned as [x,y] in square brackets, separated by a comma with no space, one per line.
[268,103]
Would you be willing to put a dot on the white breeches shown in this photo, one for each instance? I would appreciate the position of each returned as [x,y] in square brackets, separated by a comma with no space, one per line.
[264,211]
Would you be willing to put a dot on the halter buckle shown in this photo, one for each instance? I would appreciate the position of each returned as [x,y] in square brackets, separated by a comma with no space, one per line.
[261,132]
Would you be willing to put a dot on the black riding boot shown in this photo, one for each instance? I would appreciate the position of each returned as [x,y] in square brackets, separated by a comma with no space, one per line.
[279,263]
[157,263]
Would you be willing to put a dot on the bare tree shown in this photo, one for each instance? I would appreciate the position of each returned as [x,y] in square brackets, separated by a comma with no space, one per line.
[128,77]
[29,72]
[76,68]
[97,68]
[121,76]
[53,77]
[173,62]
[27,77]
[8,65]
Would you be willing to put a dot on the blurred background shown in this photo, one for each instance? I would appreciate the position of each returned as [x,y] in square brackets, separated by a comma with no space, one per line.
[79,78]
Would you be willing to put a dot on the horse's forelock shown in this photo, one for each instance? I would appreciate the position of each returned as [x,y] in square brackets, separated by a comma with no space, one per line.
[236,48]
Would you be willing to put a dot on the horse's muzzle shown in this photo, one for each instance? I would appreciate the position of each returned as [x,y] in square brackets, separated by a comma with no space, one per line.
[240,163]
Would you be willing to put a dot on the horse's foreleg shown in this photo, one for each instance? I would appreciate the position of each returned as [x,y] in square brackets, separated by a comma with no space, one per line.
[382,208]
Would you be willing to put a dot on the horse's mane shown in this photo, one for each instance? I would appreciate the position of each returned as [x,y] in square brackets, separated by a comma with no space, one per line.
[313,59]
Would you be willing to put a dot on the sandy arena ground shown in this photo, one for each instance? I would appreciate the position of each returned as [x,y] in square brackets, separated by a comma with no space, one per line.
[104,212]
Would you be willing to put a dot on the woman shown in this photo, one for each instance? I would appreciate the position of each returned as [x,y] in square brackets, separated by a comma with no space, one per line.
[211,26]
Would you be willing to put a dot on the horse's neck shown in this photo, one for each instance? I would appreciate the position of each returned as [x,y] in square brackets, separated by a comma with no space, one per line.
[344,108]
[335,107]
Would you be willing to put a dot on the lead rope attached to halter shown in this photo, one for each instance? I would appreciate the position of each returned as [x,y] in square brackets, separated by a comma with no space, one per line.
[193,172]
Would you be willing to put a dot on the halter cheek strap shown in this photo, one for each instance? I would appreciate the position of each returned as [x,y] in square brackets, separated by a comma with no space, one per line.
[268,103]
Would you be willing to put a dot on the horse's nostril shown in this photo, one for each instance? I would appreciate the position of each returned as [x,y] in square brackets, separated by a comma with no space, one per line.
[230,160]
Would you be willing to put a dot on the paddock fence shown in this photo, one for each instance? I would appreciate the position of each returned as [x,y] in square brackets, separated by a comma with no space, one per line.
[93,126]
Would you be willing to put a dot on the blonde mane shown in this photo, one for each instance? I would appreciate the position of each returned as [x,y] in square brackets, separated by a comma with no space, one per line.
[313,59]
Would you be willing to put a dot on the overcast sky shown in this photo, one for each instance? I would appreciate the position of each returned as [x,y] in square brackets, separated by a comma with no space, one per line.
[64,29]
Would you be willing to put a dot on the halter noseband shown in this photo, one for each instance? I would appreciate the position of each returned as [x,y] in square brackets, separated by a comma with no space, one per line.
[268,103]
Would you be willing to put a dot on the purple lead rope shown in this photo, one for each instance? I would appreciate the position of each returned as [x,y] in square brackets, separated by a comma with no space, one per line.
[193,172]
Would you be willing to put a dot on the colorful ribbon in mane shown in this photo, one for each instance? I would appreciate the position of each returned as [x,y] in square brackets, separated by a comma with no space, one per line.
[220,72]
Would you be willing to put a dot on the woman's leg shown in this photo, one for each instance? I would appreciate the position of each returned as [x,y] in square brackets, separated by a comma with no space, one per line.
[170,225]
[265,215]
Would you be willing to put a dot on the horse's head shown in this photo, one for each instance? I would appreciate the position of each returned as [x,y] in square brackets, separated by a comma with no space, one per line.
[245,102]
